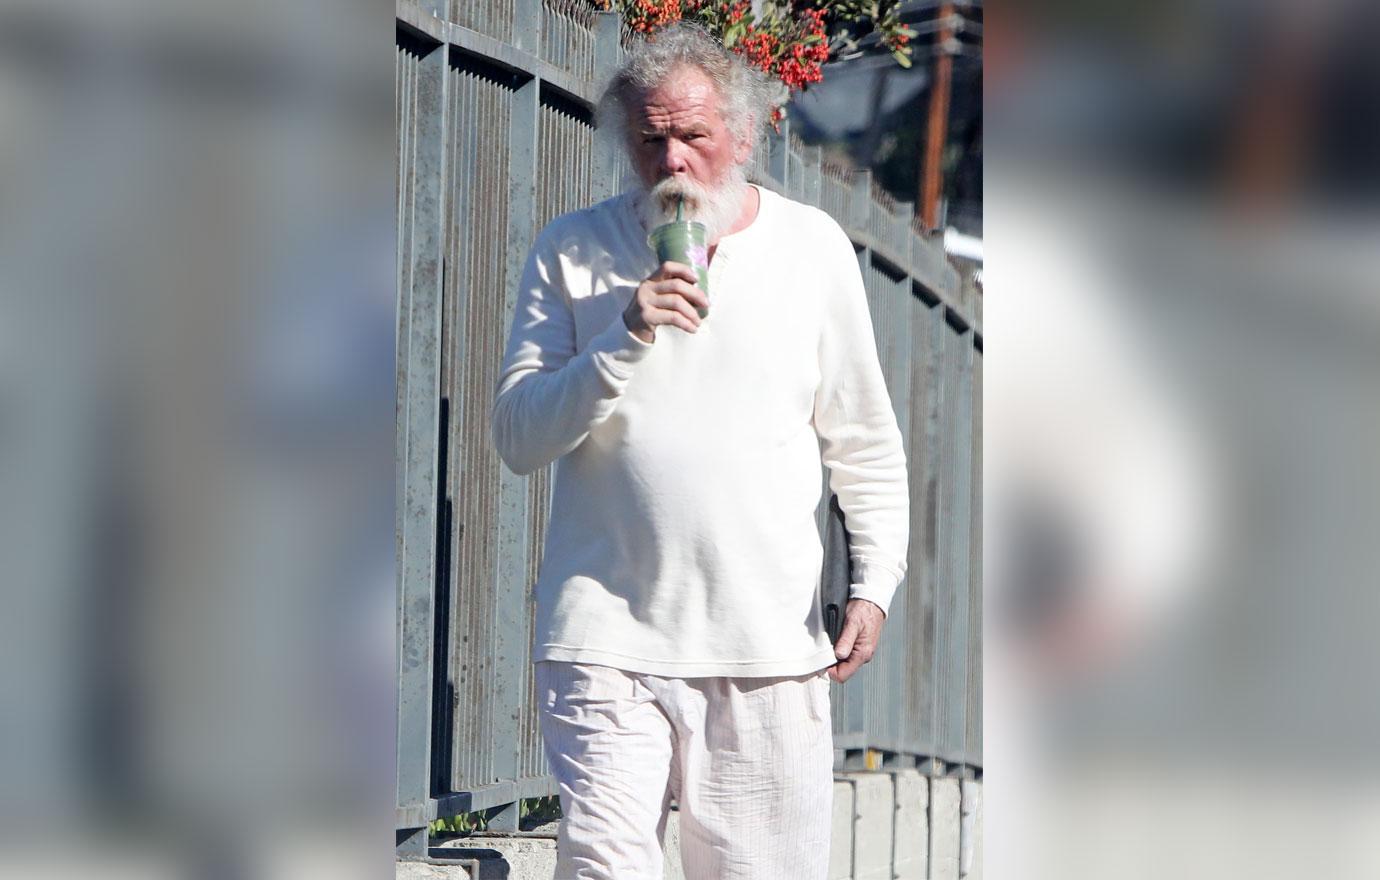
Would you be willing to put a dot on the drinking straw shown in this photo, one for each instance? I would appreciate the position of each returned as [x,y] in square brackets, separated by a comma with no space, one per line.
[679,202]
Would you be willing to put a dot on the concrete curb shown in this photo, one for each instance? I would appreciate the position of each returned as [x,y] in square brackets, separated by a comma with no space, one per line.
[887,825]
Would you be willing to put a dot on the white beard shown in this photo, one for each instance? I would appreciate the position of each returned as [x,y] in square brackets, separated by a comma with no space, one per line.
[716,207]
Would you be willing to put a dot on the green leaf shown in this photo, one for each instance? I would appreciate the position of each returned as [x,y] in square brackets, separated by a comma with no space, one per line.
[902,57]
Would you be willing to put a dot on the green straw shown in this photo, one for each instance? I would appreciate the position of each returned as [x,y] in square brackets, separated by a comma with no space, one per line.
[679,203]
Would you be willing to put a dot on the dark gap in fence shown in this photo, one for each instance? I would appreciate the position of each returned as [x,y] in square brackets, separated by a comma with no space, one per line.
[443,705]
[414,41]
[893,272]
[955,320]
[563,102]
[924,294]
[491,69]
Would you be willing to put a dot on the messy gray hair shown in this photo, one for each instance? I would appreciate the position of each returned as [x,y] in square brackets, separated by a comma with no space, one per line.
[748,94]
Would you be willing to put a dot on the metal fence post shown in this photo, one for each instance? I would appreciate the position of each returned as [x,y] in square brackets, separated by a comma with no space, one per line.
[973,736]
[928,263]
[527,26]
[778,155]
[900,235]
[928,340]
[511,652]
[607,150]
[860,202]
[963,479]
[859,213]
[419,417]
[810,192]
[952,588]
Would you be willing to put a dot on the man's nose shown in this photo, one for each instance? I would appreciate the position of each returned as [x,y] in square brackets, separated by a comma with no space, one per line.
[673,158]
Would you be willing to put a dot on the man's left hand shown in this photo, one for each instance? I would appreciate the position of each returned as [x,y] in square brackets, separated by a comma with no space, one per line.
[862,628]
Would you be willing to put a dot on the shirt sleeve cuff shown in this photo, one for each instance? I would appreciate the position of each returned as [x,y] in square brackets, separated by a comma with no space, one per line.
[875,583]
[616,351]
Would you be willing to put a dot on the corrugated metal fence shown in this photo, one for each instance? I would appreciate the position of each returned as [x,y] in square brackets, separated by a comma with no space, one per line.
[495,138]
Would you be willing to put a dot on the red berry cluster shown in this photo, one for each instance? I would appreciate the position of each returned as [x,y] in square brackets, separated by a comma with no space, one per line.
[792,48]
[793,57]
[759,48]
[645,16]
[802,66]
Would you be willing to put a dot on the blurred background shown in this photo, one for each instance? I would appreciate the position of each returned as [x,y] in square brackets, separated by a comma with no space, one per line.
[196,439]
[1181,230]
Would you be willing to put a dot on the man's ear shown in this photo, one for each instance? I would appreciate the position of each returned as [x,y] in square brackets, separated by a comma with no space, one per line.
[742,150]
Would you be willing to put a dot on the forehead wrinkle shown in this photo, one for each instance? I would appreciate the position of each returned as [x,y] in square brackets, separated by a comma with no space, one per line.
[655,123]
[661,118]
[685,99]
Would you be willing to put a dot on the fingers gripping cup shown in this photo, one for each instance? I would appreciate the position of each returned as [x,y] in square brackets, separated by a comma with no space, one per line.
[684,241]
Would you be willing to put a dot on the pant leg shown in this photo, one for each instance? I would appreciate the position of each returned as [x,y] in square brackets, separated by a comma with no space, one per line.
[756,757]
[609,747]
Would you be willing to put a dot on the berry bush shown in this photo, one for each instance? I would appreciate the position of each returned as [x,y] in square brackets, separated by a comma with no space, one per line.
[789,39]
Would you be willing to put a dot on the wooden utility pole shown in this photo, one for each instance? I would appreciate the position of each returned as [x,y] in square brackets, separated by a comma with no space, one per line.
[938,129]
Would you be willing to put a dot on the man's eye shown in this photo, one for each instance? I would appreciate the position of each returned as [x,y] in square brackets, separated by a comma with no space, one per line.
[652,139]
[693,137]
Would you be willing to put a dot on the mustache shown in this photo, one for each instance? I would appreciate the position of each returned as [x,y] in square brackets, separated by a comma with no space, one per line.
[667,192]
[714,205]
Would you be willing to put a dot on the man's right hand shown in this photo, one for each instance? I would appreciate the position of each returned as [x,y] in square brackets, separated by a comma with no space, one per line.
[668,296]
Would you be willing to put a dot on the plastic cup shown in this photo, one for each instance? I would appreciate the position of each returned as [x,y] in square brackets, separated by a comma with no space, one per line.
[684,241]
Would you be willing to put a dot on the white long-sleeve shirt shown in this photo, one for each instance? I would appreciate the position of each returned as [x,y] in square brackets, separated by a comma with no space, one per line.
[682,539]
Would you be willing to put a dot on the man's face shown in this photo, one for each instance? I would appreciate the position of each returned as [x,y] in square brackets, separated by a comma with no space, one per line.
[677,129]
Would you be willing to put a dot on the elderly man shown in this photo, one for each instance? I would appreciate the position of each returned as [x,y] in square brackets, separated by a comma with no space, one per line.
[679,646]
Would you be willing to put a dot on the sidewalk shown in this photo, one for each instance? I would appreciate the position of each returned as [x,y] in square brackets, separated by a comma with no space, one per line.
[888,825]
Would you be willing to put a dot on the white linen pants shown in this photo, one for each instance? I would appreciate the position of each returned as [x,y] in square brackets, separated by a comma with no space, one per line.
[750,761]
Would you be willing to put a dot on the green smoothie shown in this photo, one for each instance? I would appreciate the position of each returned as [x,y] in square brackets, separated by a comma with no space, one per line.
[683,241]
